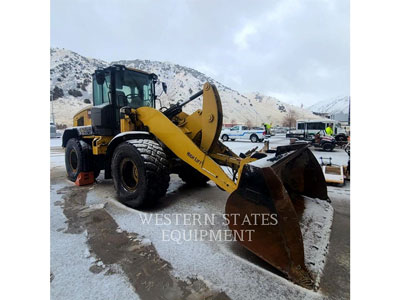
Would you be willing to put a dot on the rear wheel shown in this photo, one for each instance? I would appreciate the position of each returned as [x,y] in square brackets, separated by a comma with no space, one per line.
[341,138]
[254,138]
[140,172]
[78,158]
[191,176]
[233,140]
[225,138]
[328,147]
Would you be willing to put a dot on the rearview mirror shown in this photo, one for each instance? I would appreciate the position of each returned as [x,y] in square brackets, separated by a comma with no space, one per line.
[164,87]
[100,78]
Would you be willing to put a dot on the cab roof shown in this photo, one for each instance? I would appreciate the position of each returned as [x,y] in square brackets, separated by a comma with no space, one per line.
[317,121]
[127,68]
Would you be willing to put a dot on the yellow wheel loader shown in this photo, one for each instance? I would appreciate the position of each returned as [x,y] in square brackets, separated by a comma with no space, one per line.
[139,146]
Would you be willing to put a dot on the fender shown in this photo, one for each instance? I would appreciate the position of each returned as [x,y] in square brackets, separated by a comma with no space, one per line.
[118,139]
[75,132]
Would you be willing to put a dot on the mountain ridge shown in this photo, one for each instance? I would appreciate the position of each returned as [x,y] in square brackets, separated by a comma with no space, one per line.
[70,84]
[338,105]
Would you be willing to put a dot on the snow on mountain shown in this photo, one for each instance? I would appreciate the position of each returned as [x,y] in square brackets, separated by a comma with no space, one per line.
[71,87]
[275,110]
[333,106]
[70,83]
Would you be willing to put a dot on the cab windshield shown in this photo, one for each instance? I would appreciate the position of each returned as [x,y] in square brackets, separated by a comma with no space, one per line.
[134,89]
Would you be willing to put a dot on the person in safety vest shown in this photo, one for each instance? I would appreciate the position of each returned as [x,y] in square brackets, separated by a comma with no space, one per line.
[329,130]
[267,128]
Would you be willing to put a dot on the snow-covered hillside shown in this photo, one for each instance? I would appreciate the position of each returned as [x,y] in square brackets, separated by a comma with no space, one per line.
[333,106]
[275,110]
[70,83]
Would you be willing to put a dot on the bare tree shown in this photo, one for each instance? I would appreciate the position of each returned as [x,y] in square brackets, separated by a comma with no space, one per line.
[61,126]
[249,123]
[290,119]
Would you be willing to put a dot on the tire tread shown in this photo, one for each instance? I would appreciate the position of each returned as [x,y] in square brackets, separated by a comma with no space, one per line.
[156,169]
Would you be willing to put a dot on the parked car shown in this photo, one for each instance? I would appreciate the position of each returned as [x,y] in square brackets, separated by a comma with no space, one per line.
[280,130]
[243,132]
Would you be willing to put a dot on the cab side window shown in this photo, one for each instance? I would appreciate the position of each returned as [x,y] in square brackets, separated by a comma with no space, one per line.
[101,93]
[97,93]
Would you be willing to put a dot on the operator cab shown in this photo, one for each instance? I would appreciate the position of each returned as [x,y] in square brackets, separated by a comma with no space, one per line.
[116,87]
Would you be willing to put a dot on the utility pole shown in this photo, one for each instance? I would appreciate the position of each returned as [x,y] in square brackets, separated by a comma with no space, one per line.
[349,111]
[52,109]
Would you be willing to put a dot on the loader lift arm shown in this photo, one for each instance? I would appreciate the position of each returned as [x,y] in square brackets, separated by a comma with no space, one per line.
[205,124]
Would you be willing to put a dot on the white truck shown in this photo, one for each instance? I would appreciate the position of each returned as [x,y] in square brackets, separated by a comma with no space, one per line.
[243,132]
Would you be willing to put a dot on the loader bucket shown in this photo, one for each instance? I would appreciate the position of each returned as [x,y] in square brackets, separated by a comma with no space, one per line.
[272,189]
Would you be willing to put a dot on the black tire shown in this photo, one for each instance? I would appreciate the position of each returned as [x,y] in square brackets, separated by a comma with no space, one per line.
[78,158]
[328,146]
[191,176]
[140,172]
[225,138]
[341,138]
[254,138]
[233,140]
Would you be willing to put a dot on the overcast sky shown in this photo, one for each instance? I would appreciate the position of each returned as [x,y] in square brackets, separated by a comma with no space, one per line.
[297,51]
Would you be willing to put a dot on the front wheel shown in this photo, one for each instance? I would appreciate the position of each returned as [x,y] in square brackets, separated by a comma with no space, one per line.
[140,172]
[254,138]
[225,138]
[78,158]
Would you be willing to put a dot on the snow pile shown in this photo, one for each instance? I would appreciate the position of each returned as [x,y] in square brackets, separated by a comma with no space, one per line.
[315,227]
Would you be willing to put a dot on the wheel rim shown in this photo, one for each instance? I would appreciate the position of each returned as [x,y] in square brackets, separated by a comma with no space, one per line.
[253,139]
[225,138]
[129,174]
[73,160]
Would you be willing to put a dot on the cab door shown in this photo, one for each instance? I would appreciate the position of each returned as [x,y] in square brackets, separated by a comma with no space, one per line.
[103,113]
[245,134]
[234,132]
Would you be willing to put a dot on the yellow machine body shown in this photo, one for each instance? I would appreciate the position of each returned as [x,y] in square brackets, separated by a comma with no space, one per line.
[82,117]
